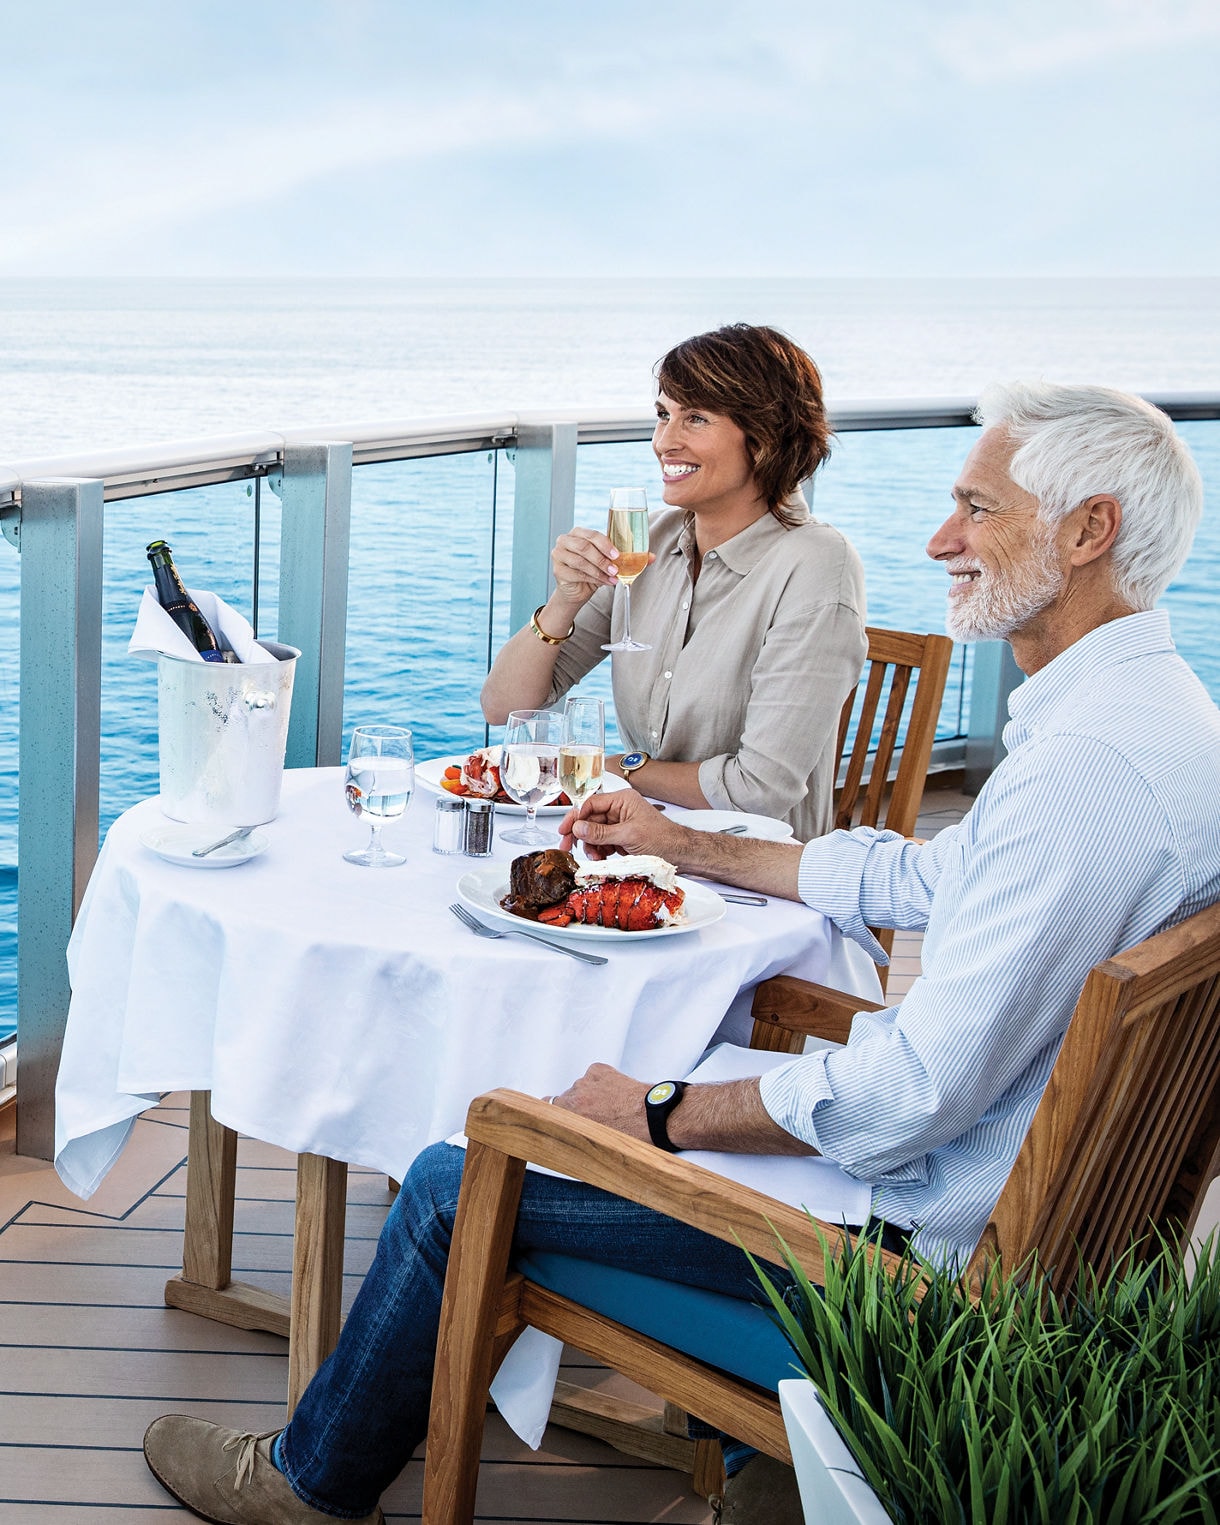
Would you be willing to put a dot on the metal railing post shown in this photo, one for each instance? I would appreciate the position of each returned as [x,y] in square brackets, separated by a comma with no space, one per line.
[544,505]
[58,769]
[315,540]
[995,676]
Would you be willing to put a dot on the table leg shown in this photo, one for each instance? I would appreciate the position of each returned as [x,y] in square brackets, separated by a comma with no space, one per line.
[317,1268]
[205,1285]
[207,1242]
[311,1321]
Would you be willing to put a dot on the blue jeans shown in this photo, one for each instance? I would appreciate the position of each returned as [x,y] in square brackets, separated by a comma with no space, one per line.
[366,1410]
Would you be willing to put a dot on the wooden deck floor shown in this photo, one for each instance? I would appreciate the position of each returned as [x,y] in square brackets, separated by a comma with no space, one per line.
[89,1354]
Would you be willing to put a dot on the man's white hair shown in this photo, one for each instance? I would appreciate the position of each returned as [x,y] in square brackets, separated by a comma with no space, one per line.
[1076,442]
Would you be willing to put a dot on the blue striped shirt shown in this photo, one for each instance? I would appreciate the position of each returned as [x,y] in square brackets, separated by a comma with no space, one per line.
[1101,826]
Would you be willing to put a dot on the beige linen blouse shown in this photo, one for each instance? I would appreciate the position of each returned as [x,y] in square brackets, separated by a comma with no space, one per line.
[749,665]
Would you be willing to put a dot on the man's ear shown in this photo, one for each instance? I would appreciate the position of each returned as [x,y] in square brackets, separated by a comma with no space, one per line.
[1096,525]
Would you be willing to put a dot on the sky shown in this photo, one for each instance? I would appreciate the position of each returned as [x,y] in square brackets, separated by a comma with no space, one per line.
[561,138]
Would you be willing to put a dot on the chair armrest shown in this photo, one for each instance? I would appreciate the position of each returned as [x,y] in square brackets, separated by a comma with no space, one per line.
[525,1128]
[800,1006]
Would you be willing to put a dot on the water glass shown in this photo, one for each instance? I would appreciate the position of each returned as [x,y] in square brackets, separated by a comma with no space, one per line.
[378,784]
[529,769]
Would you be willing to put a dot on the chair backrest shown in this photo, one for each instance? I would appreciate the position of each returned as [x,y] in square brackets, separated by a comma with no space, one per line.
[894,657]
[1127,1133]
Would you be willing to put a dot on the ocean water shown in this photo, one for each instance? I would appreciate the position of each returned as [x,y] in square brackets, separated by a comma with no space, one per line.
[93,365]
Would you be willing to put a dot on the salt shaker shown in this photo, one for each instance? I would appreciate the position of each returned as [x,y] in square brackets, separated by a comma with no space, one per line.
[449,826]
[479,818]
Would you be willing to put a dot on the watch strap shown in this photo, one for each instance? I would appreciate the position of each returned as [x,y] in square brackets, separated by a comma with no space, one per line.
[659,1102]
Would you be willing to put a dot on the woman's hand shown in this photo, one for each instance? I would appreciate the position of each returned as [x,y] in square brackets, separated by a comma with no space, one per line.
[583,561]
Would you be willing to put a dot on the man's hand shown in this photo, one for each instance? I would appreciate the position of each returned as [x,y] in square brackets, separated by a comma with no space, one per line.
[608,1096]
[624,822]
[729,1116]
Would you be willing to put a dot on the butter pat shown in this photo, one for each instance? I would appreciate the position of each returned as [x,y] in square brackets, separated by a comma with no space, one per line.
[634,866]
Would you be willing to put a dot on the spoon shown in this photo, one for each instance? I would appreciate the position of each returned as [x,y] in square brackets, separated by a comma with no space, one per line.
[234,836]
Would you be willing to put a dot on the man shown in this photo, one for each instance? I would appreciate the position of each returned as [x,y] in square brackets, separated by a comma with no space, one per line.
[1073,511]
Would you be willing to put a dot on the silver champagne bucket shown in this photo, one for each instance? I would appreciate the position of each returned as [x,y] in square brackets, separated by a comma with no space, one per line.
[223,730]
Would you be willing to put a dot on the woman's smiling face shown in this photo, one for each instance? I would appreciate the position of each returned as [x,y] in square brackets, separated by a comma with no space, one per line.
[704,460]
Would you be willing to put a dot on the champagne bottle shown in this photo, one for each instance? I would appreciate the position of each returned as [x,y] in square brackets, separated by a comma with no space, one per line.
[182,609]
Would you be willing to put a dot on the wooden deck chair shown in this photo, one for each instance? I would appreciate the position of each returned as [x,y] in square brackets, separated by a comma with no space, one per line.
[1127,1134]
[894,658]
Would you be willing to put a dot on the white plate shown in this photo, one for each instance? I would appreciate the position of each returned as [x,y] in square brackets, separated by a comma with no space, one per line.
[483,888]
[764,827]
[430,773]
[177,843]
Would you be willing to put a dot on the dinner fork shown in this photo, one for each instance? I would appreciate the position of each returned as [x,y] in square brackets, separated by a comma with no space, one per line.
[481,929]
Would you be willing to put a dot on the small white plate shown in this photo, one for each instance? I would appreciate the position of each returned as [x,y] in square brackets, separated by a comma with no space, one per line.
[483,888]
[766,828]
[430,774]
[177,843]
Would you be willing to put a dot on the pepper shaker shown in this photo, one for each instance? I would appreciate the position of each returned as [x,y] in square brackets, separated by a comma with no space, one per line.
[479,825]
[449,825]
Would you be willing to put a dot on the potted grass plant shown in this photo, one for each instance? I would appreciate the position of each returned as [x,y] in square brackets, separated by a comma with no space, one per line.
[1012,1407]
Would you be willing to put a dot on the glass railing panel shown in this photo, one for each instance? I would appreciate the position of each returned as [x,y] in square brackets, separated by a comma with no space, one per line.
[211,532]
[1191,597]
[10,684]
[889,492]
[419,597]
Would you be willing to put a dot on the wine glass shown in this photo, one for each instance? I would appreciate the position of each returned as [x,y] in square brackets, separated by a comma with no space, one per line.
[529,769]
[627,528]
[378,784]
[582,752]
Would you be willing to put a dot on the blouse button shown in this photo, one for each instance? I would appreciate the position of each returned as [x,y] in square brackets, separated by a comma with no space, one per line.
[686,605]
[669,675]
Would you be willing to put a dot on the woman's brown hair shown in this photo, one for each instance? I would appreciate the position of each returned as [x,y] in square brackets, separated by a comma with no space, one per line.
[771,390]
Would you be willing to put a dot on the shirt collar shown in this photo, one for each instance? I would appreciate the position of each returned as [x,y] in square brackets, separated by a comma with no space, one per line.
[744,550]
[1116,641]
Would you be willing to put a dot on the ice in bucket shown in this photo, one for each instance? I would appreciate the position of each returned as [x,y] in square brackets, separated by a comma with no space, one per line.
[223,731]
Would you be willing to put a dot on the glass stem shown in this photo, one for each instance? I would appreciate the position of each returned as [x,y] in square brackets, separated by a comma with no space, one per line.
[627,611]
[375,847]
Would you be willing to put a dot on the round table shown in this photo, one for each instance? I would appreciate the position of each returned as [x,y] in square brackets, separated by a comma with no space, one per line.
[345,1014]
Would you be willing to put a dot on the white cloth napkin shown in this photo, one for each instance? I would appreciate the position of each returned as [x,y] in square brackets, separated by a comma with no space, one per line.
[156,633]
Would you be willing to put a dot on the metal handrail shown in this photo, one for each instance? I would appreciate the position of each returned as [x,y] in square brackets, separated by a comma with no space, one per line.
[171,466]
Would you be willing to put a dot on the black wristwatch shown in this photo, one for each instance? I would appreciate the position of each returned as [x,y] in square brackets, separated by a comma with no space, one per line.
[658,1104]
[630,761]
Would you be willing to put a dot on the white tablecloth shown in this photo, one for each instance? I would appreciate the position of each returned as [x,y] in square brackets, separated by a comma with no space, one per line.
[344,1011]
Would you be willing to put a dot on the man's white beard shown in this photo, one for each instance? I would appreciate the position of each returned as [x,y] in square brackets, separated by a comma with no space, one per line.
[995,604]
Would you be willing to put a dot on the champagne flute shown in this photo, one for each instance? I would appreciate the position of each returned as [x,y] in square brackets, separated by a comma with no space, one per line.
[529,769]
[627,528]
[582,752]
[378,784]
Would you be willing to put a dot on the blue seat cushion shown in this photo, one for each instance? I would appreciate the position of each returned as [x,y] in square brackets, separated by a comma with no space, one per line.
[727,1332]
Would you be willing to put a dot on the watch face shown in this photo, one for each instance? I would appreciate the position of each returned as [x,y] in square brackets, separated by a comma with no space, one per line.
[661,1092]
[632,760]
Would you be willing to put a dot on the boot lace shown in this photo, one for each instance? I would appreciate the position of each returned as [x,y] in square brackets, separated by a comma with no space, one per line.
[244,1446]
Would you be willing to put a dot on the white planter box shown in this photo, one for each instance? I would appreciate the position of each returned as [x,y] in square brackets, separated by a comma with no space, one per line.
[832,1490]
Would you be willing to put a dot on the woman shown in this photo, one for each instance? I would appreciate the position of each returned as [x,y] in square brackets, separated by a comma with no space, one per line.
[754,610]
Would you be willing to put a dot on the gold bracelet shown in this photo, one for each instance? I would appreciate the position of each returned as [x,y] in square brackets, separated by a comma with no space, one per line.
[551,640]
